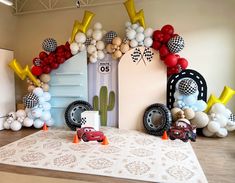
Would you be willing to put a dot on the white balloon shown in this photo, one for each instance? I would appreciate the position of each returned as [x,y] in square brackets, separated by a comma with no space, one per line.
[213,126]
[28,122]
[133,43]
[92,59]
[16,126]
[95,54]
[148,42]
[30,115]
[200,120]
[134,26]
[6,125]
[74,47]
[104,32]
[83,47]
[50,122]
[128,24]
[139,37]
[38,91]
[98,26]
[218,108]
[36,113]
[222,132]
[38,123]
[91,49]
[46,96]
[222,120]
[41,99]
[80,37]
[89,33]
[207,133]
[140,29]
[131,34]
[12,115]
[46,106]
[148,32]
[100,55]
[100,45]
[46,115]
[97,35]
[74,52]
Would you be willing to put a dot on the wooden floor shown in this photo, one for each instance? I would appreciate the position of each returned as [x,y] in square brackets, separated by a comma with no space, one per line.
[216,156]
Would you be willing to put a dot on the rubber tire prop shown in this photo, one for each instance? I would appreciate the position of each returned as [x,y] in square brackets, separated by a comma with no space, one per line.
[73,113]
[164,123]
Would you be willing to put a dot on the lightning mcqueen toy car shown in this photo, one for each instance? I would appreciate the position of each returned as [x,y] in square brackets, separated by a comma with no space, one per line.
[89,134]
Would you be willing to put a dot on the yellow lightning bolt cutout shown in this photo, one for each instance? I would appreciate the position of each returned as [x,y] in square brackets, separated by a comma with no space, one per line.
[23,73]
[82,27]
[134,17]
[224,98]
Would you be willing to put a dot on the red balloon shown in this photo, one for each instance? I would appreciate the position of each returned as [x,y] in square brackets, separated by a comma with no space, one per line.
[156,45]
[54,65]
[46,69]
[36,70]
[67,46]
[43,55]
[59,49]
[167,29]
[158,35]
[164,51]
[166,38]
[171,60]
[183,63]
[60,60]
[67,55]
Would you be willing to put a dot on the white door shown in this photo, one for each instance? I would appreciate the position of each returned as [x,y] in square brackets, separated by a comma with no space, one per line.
[7,85]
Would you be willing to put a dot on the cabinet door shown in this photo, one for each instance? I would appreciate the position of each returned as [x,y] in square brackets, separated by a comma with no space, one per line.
[7,85]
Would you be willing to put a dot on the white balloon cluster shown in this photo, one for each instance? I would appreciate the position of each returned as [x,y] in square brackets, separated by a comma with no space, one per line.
[16,120]
[96,47]
[41,114]
[79,44]
[219,123]
[139,36]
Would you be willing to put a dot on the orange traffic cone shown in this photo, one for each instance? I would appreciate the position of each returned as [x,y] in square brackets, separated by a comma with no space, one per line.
[164,136]
[45,128]
[75,139]
[105,141]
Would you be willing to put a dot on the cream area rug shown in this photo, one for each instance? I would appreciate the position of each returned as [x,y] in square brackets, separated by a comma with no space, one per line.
[129,155]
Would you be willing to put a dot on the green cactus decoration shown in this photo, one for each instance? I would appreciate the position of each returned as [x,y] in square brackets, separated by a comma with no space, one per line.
[104,104]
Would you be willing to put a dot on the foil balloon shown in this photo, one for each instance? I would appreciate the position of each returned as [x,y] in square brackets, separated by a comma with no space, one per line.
[82,27]
[134,17]
[23,73]
[224,98]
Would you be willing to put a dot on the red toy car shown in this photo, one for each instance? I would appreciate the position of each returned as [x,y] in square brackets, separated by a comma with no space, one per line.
[89,134]
[183,131]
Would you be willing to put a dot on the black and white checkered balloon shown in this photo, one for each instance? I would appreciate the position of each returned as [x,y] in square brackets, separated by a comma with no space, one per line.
[49,45]
[232,117]
[175,44]
[187,86]
[88,41]
[109,36]
[37,62]
[30,100]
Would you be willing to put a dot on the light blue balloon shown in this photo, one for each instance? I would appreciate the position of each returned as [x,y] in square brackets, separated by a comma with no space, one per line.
[29,114]
[38,91]
[41,100]
[189,100]
[177,95]
[46,106]
[36,113]
[50,122]
[46,115]
[201,105]
[38,123]
[46,96]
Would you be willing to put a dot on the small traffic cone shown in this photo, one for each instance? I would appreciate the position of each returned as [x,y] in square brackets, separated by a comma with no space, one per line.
[75,139]
[45,128]
[164,136]
[105,141]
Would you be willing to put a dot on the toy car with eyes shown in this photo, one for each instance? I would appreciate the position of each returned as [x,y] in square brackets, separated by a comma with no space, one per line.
[183,131]
[89,134]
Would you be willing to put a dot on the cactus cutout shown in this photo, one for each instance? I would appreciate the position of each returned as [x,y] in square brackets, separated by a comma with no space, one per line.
[104,104]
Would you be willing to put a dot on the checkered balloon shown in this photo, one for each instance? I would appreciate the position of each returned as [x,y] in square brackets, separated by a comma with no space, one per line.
[175,44]
[187,86]
[109,37]
[232,117]
[88,41]
[49,45]
[37,62]
[30,100]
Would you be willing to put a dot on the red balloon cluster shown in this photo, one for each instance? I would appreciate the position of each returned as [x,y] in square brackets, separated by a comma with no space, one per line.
[45,62]
[173,61]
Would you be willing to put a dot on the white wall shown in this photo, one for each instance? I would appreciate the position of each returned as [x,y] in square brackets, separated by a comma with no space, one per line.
[207,26]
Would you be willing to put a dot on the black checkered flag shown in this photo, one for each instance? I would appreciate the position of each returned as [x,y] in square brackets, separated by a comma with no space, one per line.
[136,55]
[148,54]
[175,44]
[49,45]
[232,117]
[109,36]
[30,100]
[187,86]
[37,62]
[88,41]
[83,121]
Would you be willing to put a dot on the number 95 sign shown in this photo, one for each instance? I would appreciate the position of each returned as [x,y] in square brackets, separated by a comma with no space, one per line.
[104,67]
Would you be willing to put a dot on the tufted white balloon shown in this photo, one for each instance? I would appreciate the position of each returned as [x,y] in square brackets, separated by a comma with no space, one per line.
[91,49]
[148,32]
[38,91]
[148,42]
[97,35]
[100,45]
[28,122]
[16,126]
[74,48]
[213,126]
[38,123]
[128,24]
[133,43]
[134,26]
[80,37]
[131,34]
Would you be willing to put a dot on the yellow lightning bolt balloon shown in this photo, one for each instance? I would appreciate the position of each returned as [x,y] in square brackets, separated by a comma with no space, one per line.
[23,73]
[224,98]
[134,17]
[82,27]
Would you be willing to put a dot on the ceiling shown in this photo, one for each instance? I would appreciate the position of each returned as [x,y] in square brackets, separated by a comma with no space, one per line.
[36,6]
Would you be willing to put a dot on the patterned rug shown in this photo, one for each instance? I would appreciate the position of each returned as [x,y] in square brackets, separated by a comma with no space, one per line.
[129,155]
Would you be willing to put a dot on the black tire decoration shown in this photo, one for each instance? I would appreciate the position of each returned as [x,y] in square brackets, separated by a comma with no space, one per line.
[73,113]
[151,114]
[188,73]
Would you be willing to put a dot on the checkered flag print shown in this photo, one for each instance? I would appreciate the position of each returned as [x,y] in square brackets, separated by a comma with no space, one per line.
[30,100]
[37,62]
[136,55]
[88,41]
[175,44]
[187,86]
[232,117]
[83,121]
[109,37]
[148,54]
[49,45]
